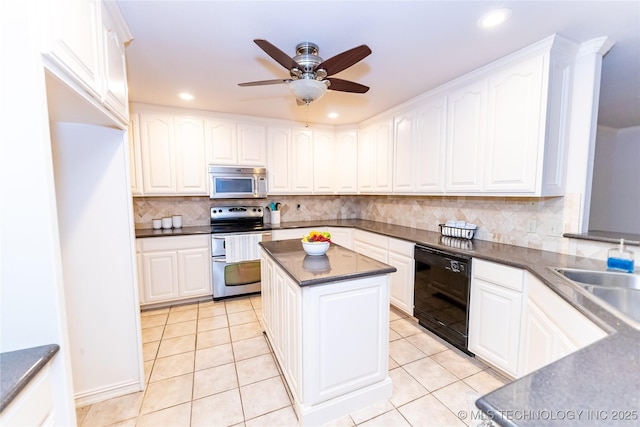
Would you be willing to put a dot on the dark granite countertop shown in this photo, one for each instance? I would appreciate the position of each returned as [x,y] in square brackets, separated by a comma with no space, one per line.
[600,379]
[336,265]
[19,367]
[184,231]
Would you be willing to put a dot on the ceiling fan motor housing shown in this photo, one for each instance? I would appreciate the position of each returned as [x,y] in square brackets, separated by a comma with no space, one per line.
[307,57]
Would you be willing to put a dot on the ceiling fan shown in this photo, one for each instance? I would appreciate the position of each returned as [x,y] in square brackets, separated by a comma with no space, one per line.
[309,73]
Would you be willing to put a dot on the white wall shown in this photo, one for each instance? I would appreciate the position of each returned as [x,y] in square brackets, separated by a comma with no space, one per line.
[32,307]
[615,197]
[98,256]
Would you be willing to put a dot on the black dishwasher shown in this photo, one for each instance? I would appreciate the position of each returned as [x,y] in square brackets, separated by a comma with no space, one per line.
[441,295]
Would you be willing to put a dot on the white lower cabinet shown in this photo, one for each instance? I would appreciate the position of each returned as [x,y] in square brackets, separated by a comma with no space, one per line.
[292,233]
[174,268]
[342,236]
[331,341]
[397,253]
[518,324]
[495,313]
[402,281]
[552,328]
[33,406]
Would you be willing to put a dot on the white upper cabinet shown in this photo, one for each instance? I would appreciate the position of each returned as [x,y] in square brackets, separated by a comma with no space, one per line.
[404,146]
[116,94]
[375,158]
[345,166]
[252,144]
[301,161]
[173,152]
[189,141]
[465,137]
[430,144]
[222,142]
[236,143]
[157,148]
[514,132]
[325,173]
[83,42]
[135,156]
[278,152]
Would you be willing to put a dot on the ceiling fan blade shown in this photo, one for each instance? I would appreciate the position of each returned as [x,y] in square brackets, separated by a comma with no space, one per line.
[347,86]
[344,60]
[265,82]
[281,58]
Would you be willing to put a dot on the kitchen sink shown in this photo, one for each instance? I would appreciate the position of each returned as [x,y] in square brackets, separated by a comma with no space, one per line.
[618,290]
[607,279]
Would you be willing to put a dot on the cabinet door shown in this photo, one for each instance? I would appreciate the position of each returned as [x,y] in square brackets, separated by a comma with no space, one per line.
[430,145]
[494,324]
[252,144]
[279,181]
[402,281]
[221,141]
[404,167]
[156,141]
[465,138]
[191,169]
[515,127]
[345,160]
[160,276]
[539,334]
[115,66]
[366,159]
[384,157]
[194,266]
[324,161]
[301,161]
[72,39]
[377,253]
[135,156]
[342,236]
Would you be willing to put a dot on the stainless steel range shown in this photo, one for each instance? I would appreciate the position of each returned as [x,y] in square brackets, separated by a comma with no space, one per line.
[235,234]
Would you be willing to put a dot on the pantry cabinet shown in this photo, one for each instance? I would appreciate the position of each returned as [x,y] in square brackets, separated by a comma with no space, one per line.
[174,268]
[83,43]
[135,156]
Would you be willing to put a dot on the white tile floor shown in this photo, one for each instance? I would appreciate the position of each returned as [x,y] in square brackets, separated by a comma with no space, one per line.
[208,364]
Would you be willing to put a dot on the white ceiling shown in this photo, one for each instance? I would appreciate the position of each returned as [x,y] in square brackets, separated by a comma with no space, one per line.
[207,48]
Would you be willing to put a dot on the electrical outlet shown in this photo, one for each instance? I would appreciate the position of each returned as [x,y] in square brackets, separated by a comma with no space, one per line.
[532,225]
[555,229]
[299,207]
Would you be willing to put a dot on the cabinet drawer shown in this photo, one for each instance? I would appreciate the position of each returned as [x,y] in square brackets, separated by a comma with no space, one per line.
[371,239]
[401,247]
[509,277]
[169,243]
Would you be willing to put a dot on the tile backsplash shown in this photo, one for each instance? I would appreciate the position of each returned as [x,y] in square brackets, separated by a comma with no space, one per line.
[536,223]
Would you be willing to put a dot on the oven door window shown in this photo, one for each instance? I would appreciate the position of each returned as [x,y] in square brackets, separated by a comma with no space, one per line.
[234,185]
[242,273]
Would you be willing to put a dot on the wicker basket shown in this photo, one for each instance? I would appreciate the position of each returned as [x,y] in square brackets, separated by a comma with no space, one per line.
[462,233]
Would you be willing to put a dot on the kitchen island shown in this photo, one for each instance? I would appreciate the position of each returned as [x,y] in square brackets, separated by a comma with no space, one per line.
[327,319]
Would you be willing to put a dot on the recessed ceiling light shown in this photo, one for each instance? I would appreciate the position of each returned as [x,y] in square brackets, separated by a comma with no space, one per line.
[185,96]
[493,18]
[333,115]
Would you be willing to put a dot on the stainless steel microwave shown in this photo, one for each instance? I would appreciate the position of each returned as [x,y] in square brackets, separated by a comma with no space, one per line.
[231,182]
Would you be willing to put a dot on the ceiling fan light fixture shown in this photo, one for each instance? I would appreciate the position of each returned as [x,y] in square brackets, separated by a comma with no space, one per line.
[308,90]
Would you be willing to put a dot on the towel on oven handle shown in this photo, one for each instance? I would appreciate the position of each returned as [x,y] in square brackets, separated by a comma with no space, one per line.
[243,247]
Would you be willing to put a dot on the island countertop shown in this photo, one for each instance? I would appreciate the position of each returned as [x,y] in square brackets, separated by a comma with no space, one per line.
[337,264]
